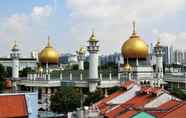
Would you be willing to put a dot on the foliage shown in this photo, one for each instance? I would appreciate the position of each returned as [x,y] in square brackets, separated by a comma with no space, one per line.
[93,97]
[110,65]
[178,93]
[2,76]
[86,65]
[8,71]
[113,89]
[75,67]
[66,99]
[25,71]
[2,72]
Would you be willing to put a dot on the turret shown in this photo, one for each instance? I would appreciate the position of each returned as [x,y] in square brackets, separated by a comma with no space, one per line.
[15,55]
[93,50]
[159,59]
[81,57]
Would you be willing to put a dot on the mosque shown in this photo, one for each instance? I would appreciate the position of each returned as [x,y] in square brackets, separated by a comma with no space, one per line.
[49,75]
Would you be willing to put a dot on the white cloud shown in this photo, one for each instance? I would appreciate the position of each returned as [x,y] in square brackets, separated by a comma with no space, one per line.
[178,40]
[17,23]
[25,28]
[42,10]
[125,10]
[112,19]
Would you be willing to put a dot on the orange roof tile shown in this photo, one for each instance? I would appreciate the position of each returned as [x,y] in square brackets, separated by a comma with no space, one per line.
[102,103]
[12,106]
[127,84]
[164,108]
[137,101]
[178,112]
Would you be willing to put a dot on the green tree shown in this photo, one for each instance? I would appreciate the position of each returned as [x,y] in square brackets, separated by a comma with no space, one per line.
[2,76]
[66,99]
[2,72]
[8,71]
[93,97]
[178,93]
[25,71]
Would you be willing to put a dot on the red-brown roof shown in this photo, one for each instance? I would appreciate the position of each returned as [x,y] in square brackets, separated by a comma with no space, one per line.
[12,106]
[102,103]
[137,102]
[164,108]
[127,84]
[177,112]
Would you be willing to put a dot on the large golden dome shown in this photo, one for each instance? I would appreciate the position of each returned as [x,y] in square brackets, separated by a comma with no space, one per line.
[134,47]
[48,55]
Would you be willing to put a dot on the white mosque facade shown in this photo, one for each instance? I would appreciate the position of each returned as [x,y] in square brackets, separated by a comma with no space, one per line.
[137,67]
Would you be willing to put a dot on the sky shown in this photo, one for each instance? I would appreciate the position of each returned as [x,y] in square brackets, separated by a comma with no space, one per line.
[69,23]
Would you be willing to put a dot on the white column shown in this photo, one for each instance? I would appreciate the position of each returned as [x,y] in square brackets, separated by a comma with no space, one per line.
[70,75]
[15,68]
[81,65]
[81,76]
[110,76]
[93,71]
[93,66]
[106,92]
[61,75]
[100,76]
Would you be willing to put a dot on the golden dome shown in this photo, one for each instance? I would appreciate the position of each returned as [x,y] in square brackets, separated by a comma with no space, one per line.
[135,47]
[82,50]
[127,67]
[48,54]
[93,37]
[40,69]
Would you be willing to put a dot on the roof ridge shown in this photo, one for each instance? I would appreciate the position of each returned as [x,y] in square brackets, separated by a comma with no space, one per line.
[173,109]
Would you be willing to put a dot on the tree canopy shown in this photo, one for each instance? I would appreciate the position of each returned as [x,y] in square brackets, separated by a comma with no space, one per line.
[2,76]
[25,71]
[178,93]
[66,99]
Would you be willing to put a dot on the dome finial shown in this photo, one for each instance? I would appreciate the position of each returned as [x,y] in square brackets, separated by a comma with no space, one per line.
[93,37]
[49,42]
[158,42]
[134,27]
[14,45]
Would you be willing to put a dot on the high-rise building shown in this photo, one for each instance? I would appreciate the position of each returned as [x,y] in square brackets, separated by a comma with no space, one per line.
[178,57]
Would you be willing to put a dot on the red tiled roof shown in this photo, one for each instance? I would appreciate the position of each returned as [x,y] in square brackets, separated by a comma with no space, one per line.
[102,103]
[137,101]
[164,108]
[128,114]
[12,106]
[169,104]
[177,112]
[127,84]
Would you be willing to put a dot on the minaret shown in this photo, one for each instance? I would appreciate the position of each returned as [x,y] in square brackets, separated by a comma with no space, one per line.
[93,49]
[159,60]
[15,55]
[81,57]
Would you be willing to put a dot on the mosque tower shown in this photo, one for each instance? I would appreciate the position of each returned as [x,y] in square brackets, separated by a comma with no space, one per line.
[93,49]
[15,55]
[81,57]
[159,60]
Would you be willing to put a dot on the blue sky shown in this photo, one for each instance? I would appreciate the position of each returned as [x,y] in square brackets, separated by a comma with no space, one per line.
[69,23]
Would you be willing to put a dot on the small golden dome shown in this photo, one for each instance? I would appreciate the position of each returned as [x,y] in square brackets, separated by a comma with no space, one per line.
[93,38]
[134,47]
[158,43]
[127,67]
[48,54]
[40,69]
[82,50]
